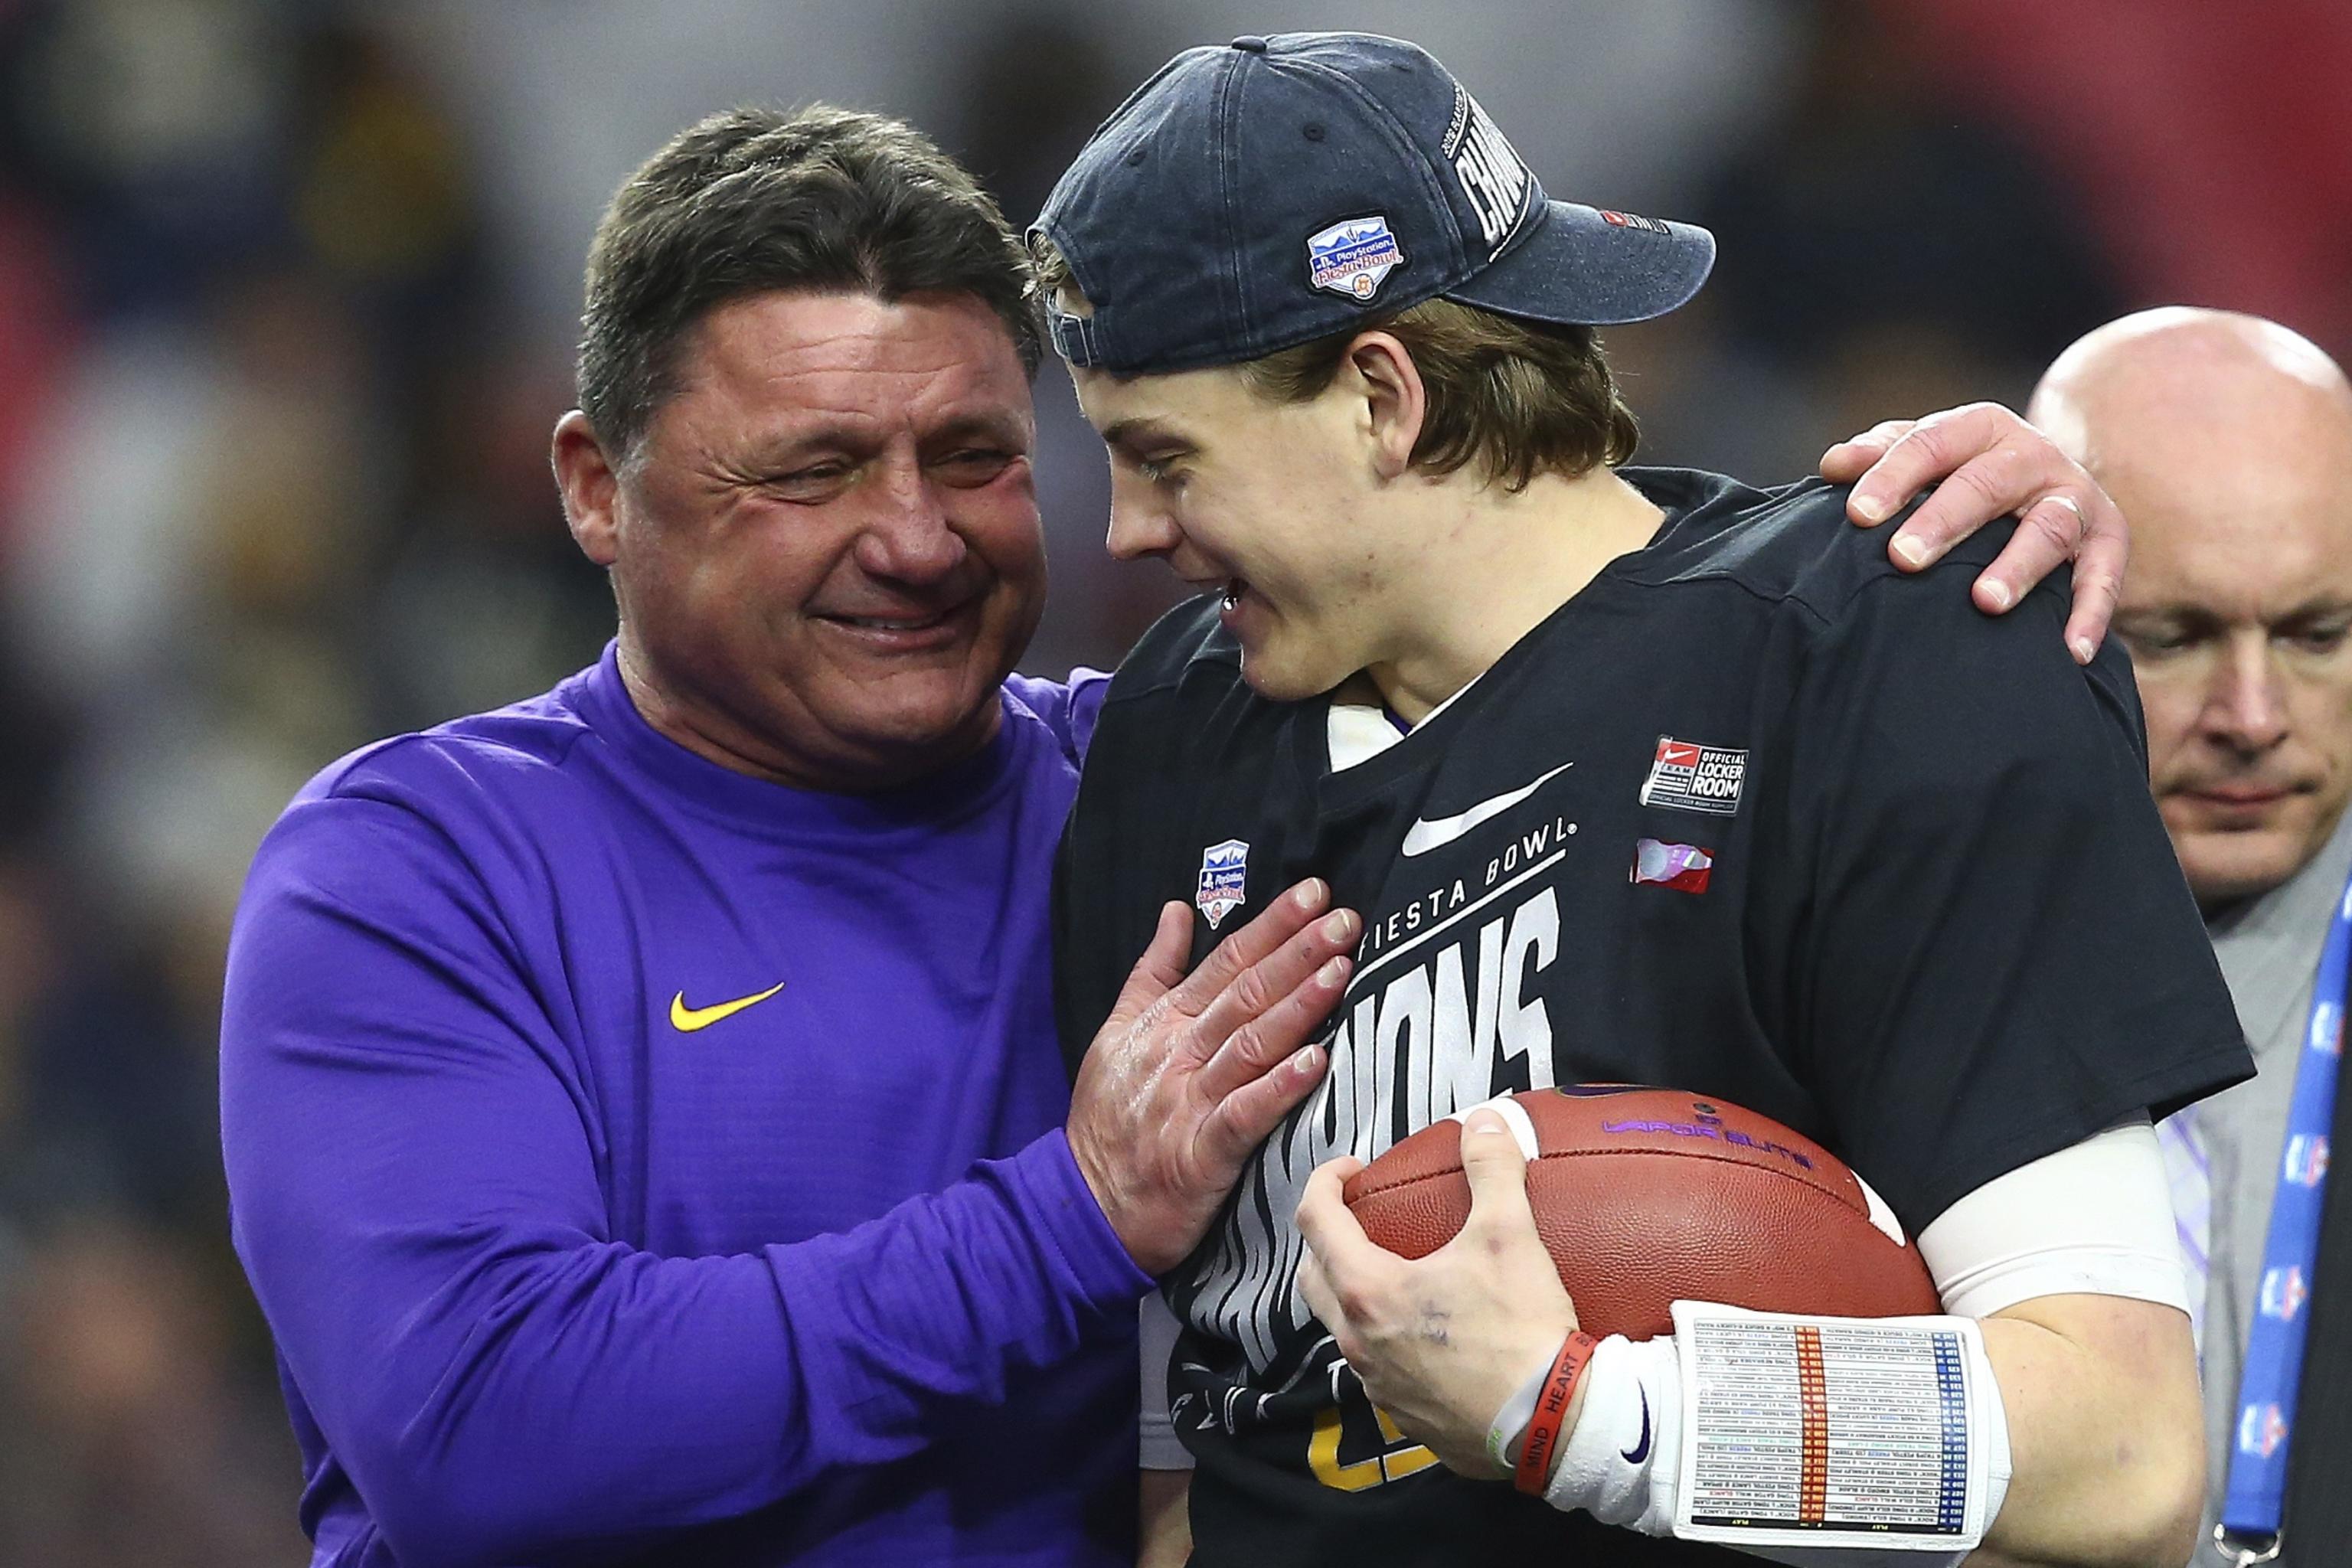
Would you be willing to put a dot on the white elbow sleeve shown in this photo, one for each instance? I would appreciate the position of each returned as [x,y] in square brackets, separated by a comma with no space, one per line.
[2095,1218]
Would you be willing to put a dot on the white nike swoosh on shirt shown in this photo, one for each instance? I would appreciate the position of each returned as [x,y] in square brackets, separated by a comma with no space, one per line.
[1424,836]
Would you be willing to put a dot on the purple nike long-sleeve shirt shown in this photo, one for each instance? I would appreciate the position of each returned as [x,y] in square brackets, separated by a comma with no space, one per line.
[569,1262]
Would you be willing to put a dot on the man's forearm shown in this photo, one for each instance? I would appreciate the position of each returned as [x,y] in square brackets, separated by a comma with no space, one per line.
[2105,1434]
[545,1395]
[2097,1426]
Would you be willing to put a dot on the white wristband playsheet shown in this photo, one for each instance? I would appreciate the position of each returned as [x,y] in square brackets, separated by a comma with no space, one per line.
[1832,1432]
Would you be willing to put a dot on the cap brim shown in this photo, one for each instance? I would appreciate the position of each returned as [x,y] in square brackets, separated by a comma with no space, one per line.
[1581,268]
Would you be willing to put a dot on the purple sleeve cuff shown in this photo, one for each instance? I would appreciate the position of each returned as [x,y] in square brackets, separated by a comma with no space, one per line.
[1067,1215]
[946,1295]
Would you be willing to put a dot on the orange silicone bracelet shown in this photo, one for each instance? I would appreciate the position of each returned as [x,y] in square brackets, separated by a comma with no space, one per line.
[1551,1411]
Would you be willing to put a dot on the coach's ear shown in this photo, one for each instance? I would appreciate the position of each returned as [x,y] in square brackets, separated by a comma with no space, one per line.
[591,484]
[1395,402]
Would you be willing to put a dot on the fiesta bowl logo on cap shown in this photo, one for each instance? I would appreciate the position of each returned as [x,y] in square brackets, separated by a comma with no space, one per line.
[1353,258]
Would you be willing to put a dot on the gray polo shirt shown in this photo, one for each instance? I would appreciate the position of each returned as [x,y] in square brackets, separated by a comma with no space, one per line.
[2269,952]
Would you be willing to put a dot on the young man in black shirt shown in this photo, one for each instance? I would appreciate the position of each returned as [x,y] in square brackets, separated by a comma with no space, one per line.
[1636,776]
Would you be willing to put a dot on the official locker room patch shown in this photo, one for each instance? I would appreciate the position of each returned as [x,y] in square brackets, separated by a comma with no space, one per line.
[1224,869]
[1689,776]
[1683,866]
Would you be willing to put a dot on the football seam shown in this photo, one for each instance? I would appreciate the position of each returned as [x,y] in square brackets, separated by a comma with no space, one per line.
[1399,1183]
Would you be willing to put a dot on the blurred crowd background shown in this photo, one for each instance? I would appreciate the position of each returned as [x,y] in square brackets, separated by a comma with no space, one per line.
[288,298]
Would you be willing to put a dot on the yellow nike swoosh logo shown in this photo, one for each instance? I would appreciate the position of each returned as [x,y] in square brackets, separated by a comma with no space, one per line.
[685,1020]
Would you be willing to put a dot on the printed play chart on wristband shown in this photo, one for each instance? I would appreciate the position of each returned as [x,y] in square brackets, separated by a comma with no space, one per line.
[1852,1431]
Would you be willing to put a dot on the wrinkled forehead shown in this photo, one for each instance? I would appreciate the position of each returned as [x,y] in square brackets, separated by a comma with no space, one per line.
[788,356]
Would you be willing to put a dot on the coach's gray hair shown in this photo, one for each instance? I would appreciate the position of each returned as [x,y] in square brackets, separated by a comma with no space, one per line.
[822,200]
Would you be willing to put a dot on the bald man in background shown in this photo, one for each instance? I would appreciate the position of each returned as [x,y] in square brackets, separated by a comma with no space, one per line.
[2227,441]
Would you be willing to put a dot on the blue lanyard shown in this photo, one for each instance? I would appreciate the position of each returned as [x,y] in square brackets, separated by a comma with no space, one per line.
[2256,1499]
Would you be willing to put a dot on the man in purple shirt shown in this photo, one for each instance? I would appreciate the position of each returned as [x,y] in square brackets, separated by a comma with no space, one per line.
[603,1078]
[644,1124]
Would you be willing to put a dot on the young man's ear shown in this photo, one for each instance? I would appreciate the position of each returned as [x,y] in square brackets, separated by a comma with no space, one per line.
[590,481]
[1395,402]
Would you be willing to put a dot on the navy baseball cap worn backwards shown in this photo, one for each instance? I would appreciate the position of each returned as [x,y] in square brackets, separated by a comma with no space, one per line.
[1279,190]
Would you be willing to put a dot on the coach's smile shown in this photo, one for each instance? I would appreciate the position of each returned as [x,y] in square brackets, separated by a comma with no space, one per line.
[829,557]
[892,630]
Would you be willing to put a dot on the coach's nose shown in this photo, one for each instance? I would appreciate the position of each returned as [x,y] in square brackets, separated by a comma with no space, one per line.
[910,536]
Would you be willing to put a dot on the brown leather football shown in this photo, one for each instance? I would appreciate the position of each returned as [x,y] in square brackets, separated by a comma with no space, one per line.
[1645,1197]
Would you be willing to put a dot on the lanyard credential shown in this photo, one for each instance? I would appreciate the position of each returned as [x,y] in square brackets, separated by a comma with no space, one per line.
[2251,1507]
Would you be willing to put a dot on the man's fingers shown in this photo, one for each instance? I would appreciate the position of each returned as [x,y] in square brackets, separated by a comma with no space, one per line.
[1848,459]
[1325,1222]
[2000,466]
[1246,1117]
[1257,1045]
[1160,967]
[2047,538]
[1922,454]
[1315,1291]
[1276,924]
[1276,978]
[1346,1263]
[1496,1169]
[2098,581]
[2081,521]
[1990,484]
[1323,1214]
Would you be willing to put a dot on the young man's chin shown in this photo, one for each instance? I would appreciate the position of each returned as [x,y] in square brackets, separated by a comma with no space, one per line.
[1286,681]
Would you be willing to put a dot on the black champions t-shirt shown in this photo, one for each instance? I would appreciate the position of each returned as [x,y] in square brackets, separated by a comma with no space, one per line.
[1752,815]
